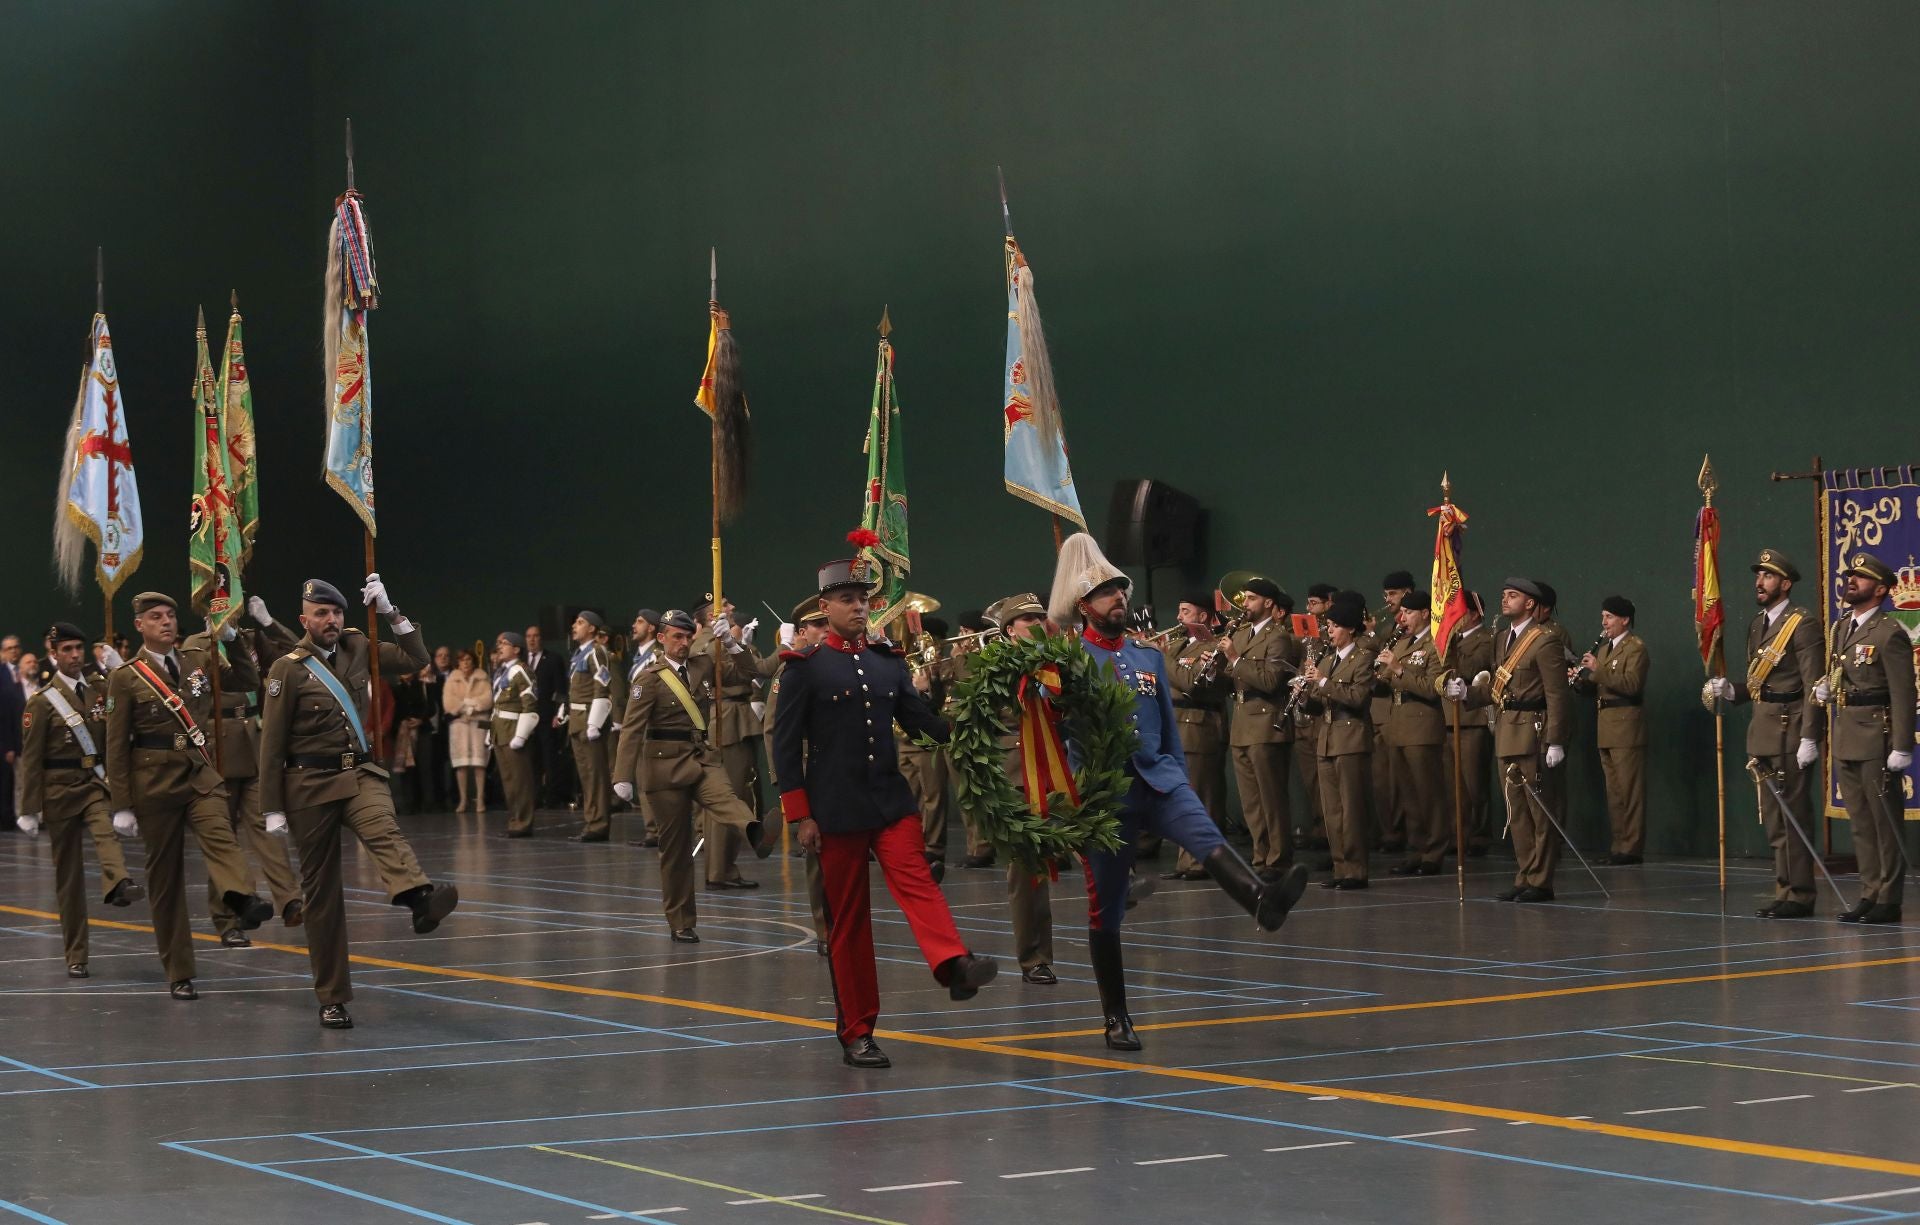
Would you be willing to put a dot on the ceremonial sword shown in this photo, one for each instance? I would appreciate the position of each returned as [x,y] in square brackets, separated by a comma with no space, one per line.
[1770,780]
[1516,775]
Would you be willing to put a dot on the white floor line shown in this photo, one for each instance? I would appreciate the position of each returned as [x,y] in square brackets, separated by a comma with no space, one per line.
[1301,1148]
[917,1186]
[1421,1135]
[1666,1110]
[1764,1101]
[1078,1169]
[1178,1160]
[775,1199]
[1877,1088]
[1323,1099]
[1854,1199]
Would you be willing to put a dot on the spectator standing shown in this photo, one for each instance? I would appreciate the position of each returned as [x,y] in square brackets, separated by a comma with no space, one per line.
[468,702]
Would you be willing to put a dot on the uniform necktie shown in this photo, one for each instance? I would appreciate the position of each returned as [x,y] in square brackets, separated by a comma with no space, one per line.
[173,671]
[80,691]
[1513,636]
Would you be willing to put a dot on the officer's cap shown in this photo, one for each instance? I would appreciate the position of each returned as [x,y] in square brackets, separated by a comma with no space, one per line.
[848,572]
[705,601]
[676,619]
[1618,605]
[514,638]
[320,591]
[592,618]
[153,599]
[1525,586]
[1774,561]
[1002,612]
[1867,566]
[808,612]
[650,616]
[65,631]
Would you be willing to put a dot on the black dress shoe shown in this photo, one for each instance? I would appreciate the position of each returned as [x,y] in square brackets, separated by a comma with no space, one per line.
[1766,912]
[820,947]
[1857,911]
[583,837]
[234,938]
[126,893]
[1406,867]
[1623,860]
[1533,894]
[1139,889]
[1509,894]
[432,905]
[937,868]
[718,886]
[1331,882]
[741,882]
[518,833]
[334,1016]
[295,913]
[1882,912]
[977,861]
[1350,883]
[1789,909]
[183,990]
[864,1053]
[1189,874]
[1041,975]
[1120,1035]
[79,970]
[249,911]
[686,935]
[966,974]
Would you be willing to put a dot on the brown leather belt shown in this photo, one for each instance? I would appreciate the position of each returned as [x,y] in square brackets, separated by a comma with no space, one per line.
[70,763]
[687,737]
[171,742]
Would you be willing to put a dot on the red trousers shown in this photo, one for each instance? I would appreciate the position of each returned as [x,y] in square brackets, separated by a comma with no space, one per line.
[843,878]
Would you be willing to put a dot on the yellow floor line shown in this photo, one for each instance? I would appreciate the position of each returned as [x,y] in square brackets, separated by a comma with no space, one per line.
[718,1186]
[1755,1067]
[1362,1010]
[987,1046]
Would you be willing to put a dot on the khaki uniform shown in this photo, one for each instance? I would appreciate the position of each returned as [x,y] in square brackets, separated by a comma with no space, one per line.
[1619,682]
[1259,741]
[1389,820]
[954,669]
[65,786]
[665,752]
[1469,656]
[642,656]
[1872,715]
[155,769]
[1306,750]
[816,891]
[515,701]
[1416,737]
[738,733]
[928,772]
[1343,744]
[239,763]
[1779,682]
[313,769]
[1200,709]
[589,677]
[1530,711]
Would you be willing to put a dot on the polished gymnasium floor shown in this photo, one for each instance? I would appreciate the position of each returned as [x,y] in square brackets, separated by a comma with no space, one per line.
[549,1056]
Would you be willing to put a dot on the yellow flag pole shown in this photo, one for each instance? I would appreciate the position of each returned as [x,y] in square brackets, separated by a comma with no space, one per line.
[1709,484]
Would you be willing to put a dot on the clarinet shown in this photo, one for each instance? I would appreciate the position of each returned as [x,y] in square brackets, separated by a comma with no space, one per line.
[1584,673]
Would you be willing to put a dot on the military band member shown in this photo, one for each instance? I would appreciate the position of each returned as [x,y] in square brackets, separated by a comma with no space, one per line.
[1527,690]
[239,762]
[1306,755]
[1261,657]
[645,647]
[1870,691]
[1028,896]
[63,786]
[1416,734]
[1616,671]
[1784,661]
[588,711]
[1338,691]
[1382,633]
[927,769]
[318,776]
[1197,682]
[1470,654]
[515,720]
[809,622]
[162,779]
[842,789]
[665,750]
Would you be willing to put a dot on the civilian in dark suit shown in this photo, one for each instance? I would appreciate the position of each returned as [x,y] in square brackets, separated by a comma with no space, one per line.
[435,779]
[549,672]
[13,704]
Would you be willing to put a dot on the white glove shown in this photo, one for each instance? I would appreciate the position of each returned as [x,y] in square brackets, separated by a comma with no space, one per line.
[29,822]
[746,631]
[1555,755]
[109,659]
[721,625]
[1482,677]
[1456,689]
[785,635]
[1898,761]
[276,823]
[227,632]
[624,791]
[1822,691]
[1720,687]
[518,742]
[593,733]
[759,709]
[1808,754]
[374,595]
[257,609]
[125,824]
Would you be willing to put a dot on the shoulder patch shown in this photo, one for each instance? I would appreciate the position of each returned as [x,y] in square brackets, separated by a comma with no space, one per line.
[273,688]
[636,690]
[26,720]
[109,703]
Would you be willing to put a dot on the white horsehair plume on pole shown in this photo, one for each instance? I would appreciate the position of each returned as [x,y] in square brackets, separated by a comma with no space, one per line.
[1080,568]
[69,539]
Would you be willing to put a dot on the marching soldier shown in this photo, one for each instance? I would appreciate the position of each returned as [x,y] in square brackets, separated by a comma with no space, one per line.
[1783,667]
[665,751]
[1617,673]
[1260,658]
[1199,688]
[1416,732]
[318,776]
[646,645]
[844,793]
[162,780]
[1383,633]
[1528,693]
[1339,688]
[809,623]
[1871,693]
[1027,895]
[63,786]
[738,733]
[927,768]
[1470,654]
[516,718]
[588,711]
[239,764]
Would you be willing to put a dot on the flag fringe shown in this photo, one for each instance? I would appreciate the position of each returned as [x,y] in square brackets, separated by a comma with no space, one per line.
[1033,340]
[69,537]
[732,426]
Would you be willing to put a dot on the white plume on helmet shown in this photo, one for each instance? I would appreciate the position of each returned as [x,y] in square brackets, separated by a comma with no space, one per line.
[1081,568]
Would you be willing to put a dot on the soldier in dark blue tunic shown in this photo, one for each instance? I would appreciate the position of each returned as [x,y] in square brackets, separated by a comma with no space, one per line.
[841,787]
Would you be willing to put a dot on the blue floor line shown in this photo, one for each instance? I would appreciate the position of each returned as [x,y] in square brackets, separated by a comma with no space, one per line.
[396,1205]
[30,1214]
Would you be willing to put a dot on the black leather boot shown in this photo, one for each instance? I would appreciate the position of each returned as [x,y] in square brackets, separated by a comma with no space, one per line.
[1104,950]
[1268,903]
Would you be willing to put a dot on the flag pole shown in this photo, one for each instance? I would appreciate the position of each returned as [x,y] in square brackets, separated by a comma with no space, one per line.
[100,308]
[215,647]
[717,608]
[1453,708]
[373,618]
[1708,485]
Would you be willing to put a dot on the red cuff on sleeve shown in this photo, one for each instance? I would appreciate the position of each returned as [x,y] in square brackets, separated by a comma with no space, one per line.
[794,806]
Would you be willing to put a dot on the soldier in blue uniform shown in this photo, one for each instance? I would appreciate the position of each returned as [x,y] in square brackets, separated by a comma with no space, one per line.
[842,790]
[1092,589]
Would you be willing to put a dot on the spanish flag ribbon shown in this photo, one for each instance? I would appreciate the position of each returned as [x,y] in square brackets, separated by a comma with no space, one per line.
[1043,756]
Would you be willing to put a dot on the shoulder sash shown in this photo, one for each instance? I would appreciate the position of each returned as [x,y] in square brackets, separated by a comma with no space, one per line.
[75,724]
[332,685]
[679,690]
[1770,655]
[1504,673]
[175,706]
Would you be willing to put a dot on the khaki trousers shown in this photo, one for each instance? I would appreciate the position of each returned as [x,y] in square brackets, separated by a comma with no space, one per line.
[816,896]
[1876,817]
[1208,774]
[1306,765]
[1389,825]
[1428,819]
[596,785]
[1625,771]
[1792,865]
[672,810]
[250,827]
[163,827]
[1032,906]
[368,815]
[1261,771]
[516,780]
[68,832]
[926,771]
[741,762]
[1475,745]
[1343,802]
[1536,845]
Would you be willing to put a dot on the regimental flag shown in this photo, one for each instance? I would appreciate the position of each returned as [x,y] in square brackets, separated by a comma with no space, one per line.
[213,526]
[352,290]
[236,419]
[885,512]
[722,398]
[1449,590]
[1709,617]
[100,499]
[1036,467]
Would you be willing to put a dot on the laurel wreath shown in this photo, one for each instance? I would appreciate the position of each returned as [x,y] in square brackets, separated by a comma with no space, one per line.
[1096,714]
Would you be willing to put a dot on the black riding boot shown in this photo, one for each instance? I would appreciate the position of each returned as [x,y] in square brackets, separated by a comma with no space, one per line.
[1104,950]
[1267,903]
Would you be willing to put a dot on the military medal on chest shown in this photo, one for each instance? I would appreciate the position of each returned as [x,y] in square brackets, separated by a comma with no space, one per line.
[197,683]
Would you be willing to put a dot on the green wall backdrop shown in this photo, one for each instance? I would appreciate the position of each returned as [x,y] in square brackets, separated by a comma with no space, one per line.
[1296,258]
